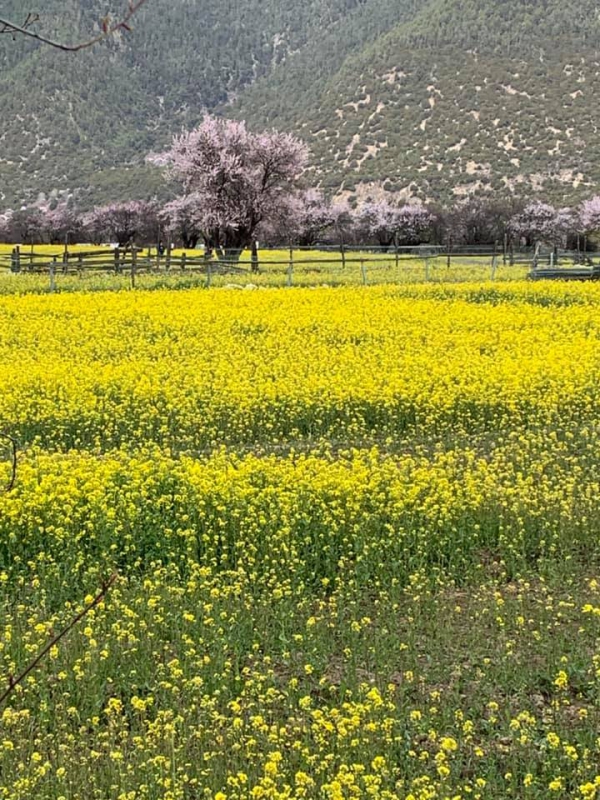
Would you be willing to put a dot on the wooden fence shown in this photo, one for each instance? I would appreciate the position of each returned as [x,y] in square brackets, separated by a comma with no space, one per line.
[359,262]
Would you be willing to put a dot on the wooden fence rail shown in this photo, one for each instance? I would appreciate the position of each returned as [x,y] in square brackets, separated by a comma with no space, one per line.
[356,261]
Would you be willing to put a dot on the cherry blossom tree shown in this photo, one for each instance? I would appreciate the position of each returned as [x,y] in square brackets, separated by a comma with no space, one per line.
[93,226]
[589,215]
[304,218]
[567,225]
[387,223]
[26,226]
[281,227]
[540,223]
[126,223]
[182,218]
[61,224]
[378,220]
[537,223]
[316,215]
[241,179]
[413,224]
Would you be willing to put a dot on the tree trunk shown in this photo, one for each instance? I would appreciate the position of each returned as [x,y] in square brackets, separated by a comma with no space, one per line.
[255,264]
[189,240]
[385,242]
[234,242]
[231,255]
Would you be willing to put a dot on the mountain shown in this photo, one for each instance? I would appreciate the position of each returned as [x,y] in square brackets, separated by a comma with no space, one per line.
[434,98]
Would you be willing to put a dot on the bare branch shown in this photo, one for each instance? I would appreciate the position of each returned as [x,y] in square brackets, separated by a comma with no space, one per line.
[30,20]
[14,682]
[109,28]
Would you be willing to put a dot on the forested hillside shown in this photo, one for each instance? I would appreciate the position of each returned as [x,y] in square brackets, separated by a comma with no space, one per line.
[71,121]
[465,96]
[426,97]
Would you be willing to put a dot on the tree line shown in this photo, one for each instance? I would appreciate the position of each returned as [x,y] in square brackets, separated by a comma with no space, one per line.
[236,188]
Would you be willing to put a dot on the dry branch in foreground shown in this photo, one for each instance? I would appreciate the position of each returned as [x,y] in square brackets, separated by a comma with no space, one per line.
[109,28]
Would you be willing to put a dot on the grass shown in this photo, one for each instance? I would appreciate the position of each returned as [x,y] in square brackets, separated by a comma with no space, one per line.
[309,268]
[355,533]
[198,688]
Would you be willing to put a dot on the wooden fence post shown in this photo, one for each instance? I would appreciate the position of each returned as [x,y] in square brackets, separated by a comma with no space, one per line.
[208,274]
[133,265]
[15,259]
[494,267]
[53,273]
[343,252]
[80,265]
[536,255]
[183,261]
[168,258]
[254,256]
[290,273]
[396,249]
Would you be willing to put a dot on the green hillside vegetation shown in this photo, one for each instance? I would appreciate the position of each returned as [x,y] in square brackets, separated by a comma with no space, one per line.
[429,98]
[464,97]
[69,121]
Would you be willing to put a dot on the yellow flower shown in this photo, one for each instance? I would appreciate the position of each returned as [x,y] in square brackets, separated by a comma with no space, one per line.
[553,740]
[448,744]
[562,680]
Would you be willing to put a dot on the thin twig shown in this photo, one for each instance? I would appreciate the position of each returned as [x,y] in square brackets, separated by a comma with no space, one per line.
[30,20]
[14,454]
[14,682]
[108,29]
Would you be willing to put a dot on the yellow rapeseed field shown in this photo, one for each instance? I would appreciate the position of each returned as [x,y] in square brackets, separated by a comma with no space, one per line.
[355,534]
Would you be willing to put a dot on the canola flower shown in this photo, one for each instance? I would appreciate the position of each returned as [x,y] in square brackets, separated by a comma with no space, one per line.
[194,370]
[355,532]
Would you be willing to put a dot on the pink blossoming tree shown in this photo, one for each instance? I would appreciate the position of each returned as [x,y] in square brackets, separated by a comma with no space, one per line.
[26,226]
[379,221]
[126,223]
[537,223]
[182,219]
[413,224]
[387,223]
[241,179]
[306,217]
[61,225]
[589,215]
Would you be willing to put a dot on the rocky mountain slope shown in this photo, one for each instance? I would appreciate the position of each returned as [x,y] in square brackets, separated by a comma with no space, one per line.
[436,98]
